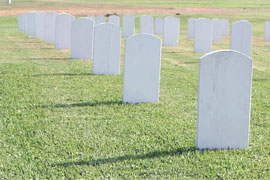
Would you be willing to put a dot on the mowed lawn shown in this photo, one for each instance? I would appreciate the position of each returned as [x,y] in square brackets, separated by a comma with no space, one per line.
[58,121]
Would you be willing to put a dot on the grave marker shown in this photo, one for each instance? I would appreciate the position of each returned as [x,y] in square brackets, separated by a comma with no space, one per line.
[225,27]
[128,25]
[63,30]
[142,69]
[82,34]
[40,22]
[203,35]
[191,28]
[159,24]
[146,24]
[267,31]
[241,38]
[32,24]
[224,99]
[49,31]
[171,31]
[217,30]
[107,49]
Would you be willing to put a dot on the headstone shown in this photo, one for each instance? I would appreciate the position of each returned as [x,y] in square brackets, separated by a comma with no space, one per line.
[49,24]
[107,49]
[40,25]
[224,100]
[82,34]
[25,23]
[32,24]
[225,27]
[203,35]
[241,38]
[159,23]
[142,69]
[20,22]
[171,31]
[63,30]
[93,18]
[267,31]
[146,24]
[191,28]
[217,30]
[100,19]
[128,23]
[115,20]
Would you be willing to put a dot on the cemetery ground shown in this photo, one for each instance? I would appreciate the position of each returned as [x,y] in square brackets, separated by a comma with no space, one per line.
[58,120]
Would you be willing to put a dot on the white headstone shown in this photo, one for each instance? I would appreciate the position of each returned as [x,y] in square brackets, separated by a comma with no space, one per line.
[267,31]
[191,28]
[63,30]
[241,38]
[159,24]
[49,24]
[32,24]
[225,27]
[25,23]
[100,19]
[203,35]
[142,69]
[40,22]
[217,30]
[115,20]
[171,31]
[82,35]
[146,24]
[107,49]
[224,100]
[128,23]
[20,22]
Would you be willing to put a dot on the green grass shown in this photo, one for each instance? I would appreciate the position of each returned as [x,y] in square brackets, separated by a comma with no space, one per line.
[58,121]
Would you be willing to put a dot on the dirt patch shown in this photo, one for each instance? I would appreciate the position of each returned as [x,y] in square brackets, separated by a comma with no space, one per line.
[97,9]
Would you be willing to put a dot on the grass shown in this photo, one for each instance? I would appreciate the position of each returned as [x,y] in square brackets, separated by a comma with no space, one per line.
[58,121]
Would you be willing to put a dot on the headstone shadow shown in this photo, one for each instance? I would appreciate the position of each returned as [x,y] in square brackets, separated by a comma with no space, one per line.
[150,155]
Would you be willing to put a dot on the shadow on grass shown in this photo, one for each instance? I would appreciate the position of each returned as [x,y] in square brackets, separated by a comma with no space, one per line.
[261,79]
[63,74]
[83,104]
[155,154]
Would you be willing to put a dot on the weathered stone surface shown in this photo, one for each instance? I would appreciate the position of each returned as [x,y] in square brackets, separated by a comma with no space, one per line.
[107,49]
[171,31]
[82,35]
[241,38]
[63,30]
[142,69]
[203,36]
[224,100]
